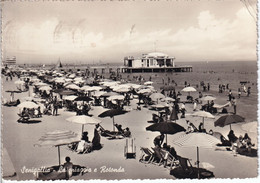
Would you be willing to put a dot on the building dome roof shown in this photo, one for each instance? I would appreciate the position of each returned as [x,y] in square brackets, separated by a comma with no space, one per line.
[156,54]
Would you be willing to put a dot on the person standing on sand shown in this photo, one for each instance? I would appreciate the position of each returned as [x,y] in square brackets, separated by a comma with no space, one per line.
[68,167]
[234,103]
[239,92]
[248,91]
[229,95]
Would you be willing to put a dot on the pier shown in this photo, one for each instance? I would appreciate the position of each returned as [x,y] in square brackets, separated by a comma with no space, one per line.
[157,69]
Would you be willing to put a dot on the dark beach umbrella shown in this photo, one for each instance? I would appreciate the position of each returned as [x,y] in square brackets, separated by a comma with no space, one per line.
[13,91]
[166,128]
[83,98]
[228,120]
[64,92]
[111,113]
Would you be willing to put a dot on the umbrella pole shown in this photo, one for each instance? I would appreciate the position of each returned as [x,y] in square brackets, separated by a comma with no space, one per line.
[198,162]
[59,154]
[230,126]
[113,124]
[82,128]
[203,121]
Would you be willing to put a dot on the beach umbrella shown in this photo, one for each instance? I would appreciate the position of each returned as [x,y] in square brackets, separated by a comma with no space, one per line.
[96,88]
[189,89]
[146,90]
[166,128]
[60,80]
[40,84]
[28,104]
[19,82]
[156,96]
[111,113]
[99,93]
[122,90]
[208,98]
[58,138]
[116,97]
[148,83]
[168,99]
[83,119]
[228,120]
[108,94]
[72,76]
[46,88]
[73,87]
[135,86]
[70,97]
[85,88]
[13,91]
[64,92]
[203,114]
[198,140]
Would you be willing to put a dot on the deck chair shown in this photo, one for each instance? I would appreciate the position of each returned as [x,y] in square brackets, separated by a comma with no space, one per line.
[158,156]
[170,161]
[185,165]
[146,155]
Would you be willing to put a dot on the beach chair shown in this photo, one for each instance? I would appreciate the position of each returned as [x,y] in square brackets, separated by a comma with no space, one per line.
[158,156]
[170,161]
[147,155]
[186,165]
[130,152]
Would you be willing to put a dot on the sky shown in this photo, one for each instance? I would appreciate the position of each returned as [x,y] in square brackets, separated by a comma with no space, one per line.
[93,31]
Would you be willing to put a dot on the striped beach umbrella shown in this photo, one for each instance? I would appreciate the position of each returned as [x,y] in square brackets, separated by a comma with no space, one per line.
[198,140]
[58,138]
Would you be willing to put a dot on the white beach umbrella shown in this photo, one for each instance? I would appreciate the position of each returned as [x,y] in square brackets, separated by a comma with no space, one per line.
[208,98]
[167,99]
[28,104]
[19,82]
[83,119]
[40,84]
[99,93]
[73,86]
[157,96]
[197,140]
[116,97]
[72,76]
[189,89]
[148,83]
[46,88]
[122,90]
[203,114]
[142,91]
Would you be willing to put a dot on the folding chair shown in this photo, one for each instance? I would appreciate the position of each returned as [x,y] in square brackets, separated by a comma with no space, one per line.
[146,155]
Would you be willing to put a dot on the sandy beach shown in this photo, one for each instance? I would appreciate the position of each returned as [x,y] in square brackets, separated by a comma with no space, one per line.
[19,140]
